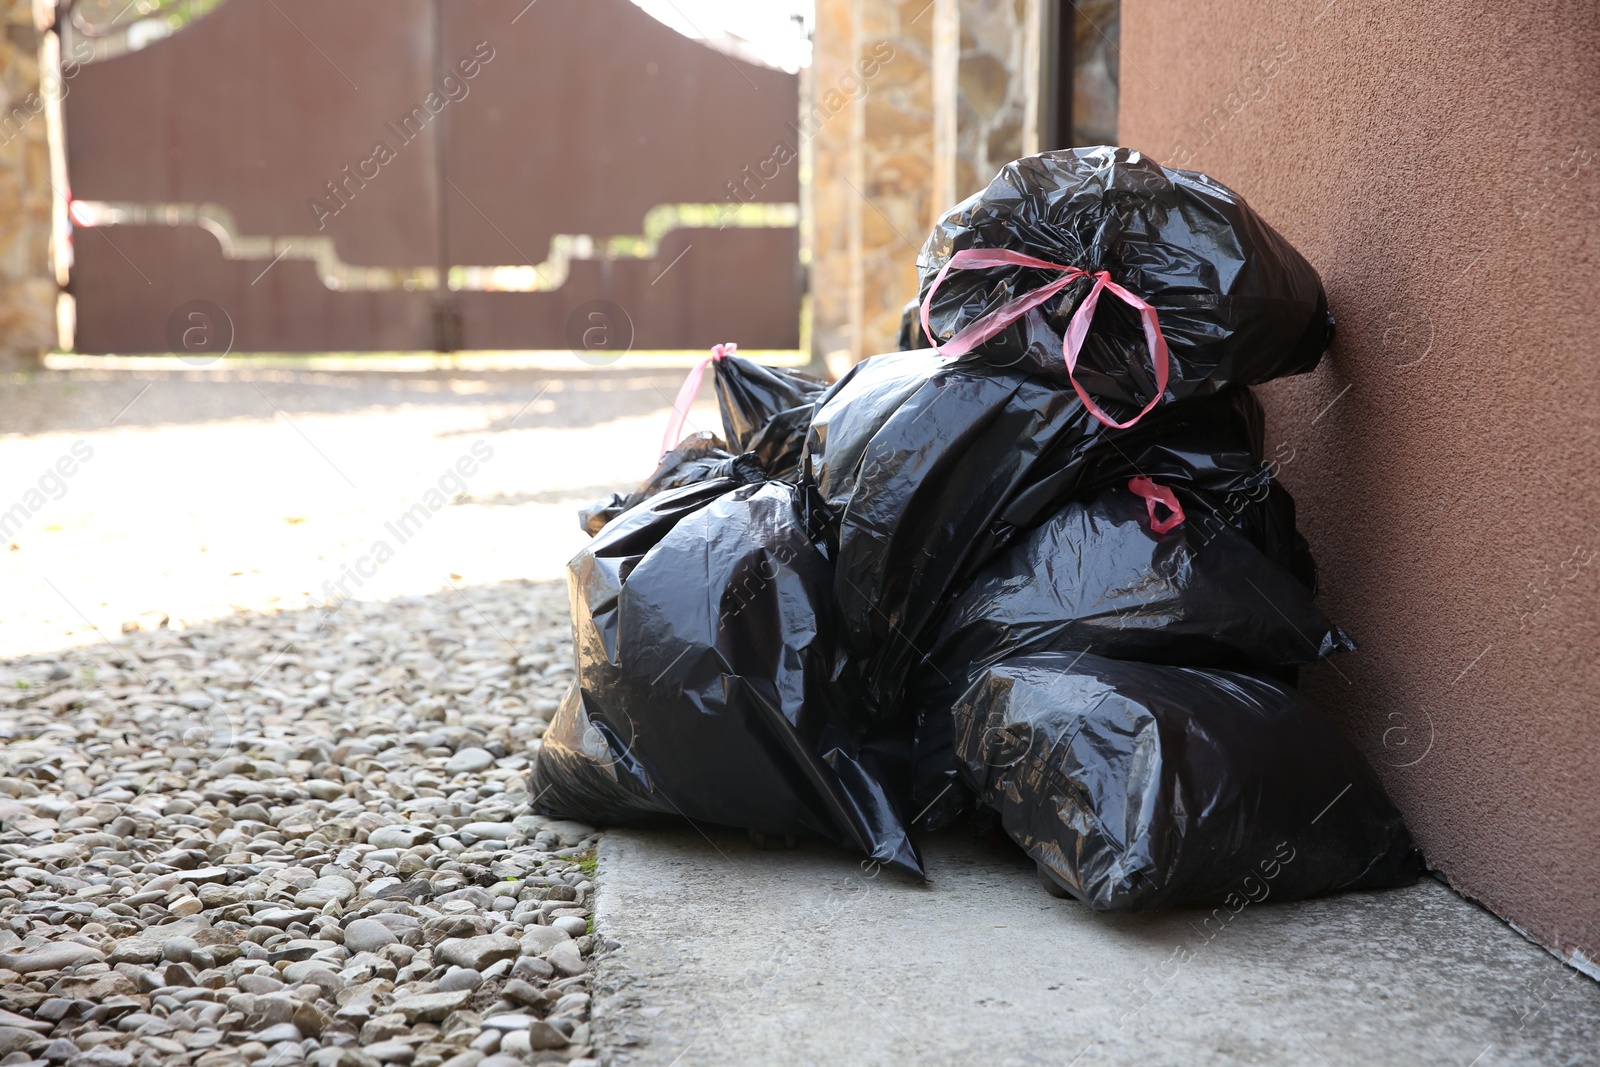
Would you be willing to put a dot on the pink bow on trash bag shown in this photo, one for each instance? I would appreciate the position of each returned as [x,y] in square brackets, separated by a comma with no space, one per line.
[981,329]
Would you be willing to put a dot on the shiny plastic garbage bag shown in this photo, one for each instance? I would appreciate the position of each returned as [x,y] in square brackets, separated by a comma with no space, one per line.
[766,412]
[1236,302]
[1209,450]
[699,457]
[1095,577]
[707,684]
[778,445]
[1137,786]
[752,398]
[911,335]
[915,459]
[929,469]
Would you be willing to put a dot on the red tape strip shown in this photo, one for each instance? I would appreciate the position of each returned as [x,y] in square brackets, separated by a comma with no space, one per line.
[1158,495]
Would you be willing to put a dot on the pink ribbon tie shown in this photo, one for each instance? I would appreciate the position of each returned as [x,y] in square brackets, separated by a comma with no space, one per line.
[687,392]
[981,329]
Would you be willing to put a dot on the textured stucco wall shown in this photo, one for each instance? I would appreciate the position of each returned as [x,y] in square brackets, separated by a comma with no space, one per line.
[1440,164]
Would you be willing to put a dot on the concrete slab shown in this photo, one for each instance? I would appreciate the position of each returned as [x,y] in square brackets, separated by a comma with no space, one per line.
[734,956]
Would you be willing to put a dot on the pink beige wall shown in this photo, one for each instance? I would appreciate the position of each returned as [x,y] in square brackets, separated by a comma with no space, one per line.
[1440,164]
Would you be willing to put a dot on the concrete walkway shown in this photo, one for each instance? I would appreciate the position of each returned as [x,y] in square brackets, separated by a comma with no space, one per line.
[733,956]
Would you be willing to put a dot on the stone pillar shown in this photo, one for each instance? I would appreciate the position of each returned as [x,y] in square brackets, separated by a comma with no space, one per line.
[895,165]
[946,115]
[27,278]
[869,129]
[939,96]
[827,132]
[993,88]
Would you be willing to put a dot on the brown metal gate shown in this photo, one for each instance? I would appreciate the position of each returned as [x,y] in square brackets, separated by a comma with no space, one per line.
[381,175]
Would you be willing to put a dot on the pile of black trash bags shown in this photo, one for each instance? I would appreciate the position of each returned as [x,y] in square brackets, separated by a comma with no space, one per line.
[1040,573]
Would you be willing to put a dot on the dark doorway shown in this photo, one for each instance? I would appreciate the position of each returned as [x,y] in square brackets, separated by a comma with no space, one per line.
[1085,43]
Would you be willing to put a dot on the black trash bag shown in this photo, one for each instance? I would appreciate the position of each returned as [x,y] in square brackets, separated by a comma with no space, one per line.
[699,457]
[1137,786]
[1213,444]
[777,446]
[1209,450]
[766,412]
[911,336]
[1096,577]
[930,469]
[1235,301]
[707,683]
[915,459]
[752,396]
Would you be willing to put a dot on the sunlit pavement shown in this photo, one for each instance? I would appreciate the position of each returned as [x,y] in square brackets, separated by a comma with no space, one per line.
[129,496]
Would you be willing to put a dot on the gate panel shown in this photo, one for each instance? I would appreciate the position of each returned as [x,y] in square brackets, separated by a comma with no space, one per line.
[288,310]
[253,110]
[406,174]
[592,117]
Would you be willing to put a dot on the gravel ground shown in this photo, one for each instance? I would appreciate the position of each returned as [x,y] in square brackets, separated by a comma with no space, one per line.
[243,822]
[294,837]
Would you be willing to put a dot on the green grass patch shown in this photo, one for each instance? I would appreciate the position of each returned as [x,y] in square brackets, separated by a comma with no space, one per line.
[588,863]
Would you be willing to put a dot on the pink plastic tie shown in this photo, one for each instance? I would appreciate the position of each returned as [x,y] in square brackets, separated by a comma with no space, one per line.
[686,394]
[981,329]
[1155,495]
